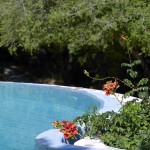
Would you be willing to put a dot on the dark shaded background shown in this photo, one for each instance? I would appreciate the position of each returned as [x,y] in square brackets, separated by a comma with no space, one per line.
[61,68]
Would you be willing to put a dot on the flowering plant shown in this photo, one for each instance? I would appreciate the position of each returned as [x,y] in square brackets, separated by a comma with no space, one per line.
[131,122]
[69,129]
[110,87]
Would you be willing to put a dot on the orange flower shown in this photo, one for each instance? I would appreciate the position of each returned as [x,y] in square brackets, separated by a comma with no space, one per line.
[108,93]
[110,87]
[69,129]
[64,123]
[67,135]
[74,132]
[56,124]
[62,130]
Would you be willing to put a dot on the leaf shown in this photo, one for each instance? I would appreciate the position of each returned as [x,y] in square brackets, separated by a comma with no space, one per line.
[125,65]
[133,74]
[128,82]
[127,94]
[143,95]
[143,88]
[136,62]
[143,81]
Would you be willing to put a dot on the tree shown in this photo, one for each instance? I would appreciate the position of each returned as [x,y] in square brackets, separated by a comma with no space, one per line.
[33,24]
[99,23]
[87,29]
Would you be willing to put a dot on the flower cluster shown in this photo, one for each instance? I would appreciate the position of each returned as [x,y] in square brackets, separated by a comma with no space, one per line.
[69,129]
[110,87]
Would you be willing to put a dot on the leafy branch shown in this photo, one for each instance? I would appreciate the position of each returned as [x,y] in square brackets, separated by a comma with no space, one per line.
[140,87]
[101,79]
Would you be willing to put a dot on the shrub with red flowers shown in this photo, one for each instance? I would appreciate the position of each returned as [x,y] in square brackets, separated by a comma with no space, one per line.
[69,129]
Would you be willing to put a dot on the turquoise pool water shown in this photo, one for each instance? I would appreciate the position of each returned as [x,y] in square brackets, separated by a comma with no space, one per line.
[29,109]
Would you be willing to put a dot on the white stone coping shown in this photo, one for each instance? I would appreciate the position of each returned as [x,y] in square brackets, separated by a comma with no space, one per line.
[93,143]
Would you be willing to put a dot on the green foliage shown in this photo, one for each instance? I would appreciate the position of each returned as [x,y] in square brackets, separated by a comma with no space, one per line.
[140,87]
[143,81]
[130,65]
[137,87]
[128,129]
[98,23]
[128,82]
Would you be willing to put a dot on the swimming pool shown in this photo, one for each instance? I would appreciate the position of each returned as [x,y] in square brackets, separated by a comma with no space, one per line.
[29,109]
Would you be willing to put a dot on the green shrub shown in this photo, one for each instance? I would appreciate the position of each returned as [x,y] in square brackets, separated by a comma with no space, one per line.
[128,129]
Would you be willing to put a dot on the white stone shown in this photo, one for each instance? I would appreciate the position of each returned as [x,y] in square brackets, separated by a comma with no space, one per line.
[93,143]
